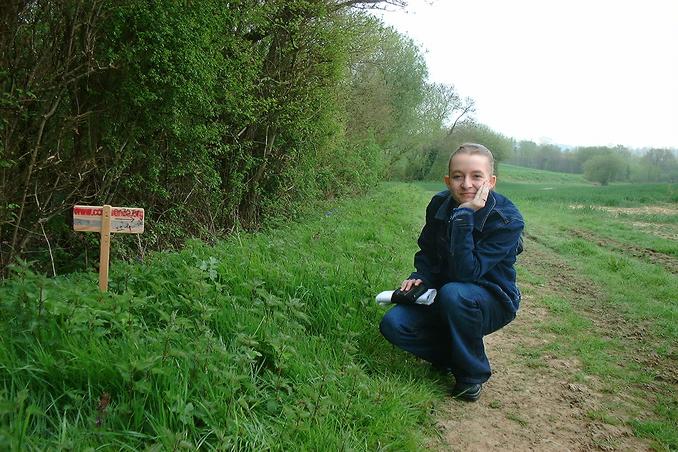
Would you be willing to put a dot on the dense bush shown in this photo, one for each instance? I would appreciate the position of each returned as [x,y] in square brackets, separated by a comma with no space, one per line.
[211,115]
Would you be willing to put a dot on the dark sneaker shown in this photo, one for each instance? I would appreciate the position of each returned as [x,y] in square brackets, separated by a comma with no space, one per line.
[467,391]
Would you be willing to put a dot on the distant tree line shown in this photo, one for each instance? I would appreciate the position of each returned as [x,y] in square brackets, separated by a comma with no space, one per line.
[601,164]
[211,115]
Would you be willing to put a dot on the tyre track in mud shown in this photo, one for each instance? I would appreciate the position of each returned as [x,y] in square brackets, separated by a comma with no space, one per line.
[669,262]
[610,322]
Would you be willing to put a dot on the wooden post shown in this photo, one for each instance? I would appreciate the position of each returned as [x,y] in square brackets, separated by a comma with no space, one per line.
[107,220]
[105,248]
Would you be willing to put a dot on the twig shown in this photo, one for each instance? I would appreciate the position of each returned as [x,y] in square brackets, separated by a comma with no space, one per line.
[49,247]
[468,108]
[141,248]
[31,166]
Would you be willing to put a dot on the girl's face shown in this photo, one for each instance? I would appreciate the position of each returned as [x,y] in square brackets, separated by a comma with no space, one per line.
[468,172]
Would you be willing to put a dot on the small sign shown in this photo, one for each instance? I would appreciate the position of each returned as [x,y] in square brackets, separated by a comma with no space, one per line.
[126,220]
[106,220]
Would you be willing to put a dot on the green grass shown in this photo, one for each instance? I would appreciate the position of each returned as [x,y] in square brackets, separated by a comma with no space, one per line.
[614,195]
[517,419]
[270,340]
[265,341]
[513,173]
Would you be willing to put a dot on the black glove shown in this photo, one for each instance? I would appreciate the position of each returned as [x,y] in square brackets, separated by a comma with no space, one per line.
[410,296]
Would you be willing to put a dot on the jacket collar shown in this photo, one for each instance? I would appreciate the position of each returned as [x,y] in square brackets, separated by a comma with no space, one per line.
[479,217]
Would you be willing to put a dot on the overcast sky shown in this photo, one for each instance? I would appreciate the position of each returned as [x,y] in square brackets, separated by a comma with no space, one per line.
[573,72]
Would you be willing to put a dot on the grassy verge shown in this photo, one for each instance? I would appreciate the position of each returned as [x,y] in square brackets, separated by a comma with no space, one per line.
[265,341]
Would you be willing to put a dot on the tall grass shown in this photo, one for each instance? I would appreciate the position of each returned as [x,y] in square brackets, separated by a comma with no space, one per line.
[265,341]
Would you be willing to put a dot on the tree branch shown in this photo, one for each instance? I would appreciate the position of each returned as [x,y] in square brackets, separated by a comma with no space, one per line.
[368,4]
[468,108]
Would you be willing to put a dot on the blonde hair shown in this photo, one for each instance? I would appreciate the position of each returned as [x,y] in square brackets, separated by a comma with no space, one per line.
[472,149]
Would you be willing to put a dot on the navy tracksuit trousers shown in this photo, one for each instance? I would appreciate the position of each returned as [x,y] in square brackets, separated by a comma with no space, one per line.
[449,333]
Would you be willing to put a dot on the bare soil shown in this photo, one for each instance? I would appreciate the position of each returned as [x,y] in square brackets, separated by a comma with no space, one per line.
[646,254]
[668,232]
[644,210]
[539,404]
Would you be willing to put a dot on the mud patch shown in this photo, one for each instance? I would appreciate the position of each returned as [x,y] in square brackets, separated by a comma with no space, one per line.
[523,408]
[646,254]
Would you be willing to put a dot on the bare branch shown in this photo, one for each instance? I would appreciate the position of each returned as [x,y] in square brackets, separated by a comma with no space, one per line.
[468,108]
[369,4]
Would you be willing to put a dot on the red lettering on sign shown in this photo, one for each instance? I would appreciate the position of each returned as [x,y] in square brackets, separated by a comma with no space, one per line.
[127,213]
[88,211]
[118,212]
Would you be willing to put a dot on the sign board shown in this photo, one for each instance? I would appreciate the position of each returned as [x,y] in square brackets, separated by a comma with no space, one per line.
[127,220]
[106,220]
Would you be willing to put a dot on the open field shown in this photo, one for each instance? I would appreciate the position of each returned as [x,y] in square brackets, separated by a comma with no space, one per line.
[270,341]
[513,173]
[607,274]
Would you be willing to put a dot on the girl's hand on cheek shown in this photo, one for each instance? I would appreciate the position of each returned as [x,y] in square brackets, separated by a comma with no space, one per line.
[478,202]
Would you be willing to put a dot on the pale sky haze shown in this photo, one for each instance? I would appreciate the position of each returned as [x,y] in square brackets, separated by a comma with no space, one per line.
[596,72]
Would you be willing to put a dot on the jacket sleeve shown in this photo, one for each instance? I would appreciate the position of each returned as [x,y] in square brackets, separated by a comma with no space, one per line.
[426,259]
[473,260]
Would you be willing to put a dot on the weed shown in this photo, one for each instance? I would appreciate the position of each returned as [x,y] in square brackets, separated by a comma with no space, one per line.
[516,418]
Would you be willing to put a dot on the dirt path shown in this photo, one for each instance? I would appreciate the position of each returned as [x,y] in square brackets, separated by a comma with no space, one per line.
[533,403]
[647,254]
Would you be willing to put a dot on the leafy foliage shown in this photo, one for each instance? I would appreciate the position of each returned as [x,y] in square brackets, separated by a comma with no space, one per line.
[210,117]
[467,132]
[603,168]
[650,165]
